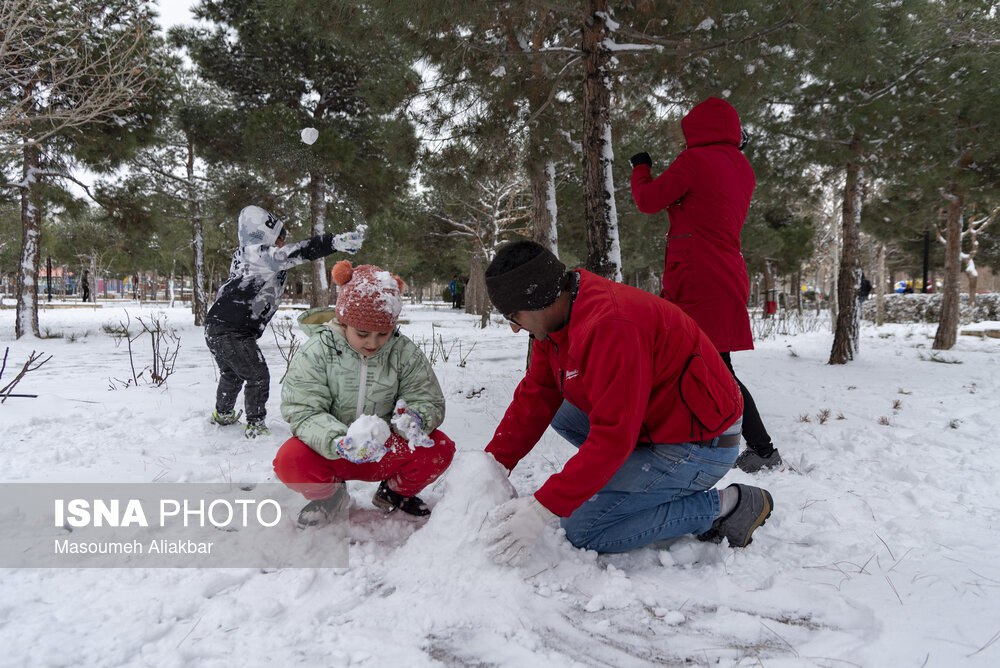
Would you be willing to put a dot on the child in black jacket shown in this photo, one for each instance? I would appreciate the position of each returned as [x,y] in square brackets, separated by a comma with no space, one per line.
[247,301]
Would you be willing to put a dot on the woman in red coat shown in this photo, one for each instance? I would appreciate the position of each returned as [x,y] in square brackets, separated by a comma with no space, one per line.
[706,191]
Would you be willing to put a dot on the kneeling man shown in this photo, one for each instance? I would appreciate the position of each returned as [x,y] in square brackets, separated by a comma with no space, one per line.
[640,390]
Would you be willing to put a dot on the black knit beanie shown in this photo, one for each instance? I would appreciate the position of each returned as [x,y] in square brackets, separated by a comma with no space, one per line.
[531,285]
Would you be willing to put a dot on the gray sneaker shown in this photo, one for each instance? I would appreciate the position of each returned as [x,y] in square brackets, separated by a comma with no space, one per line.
[225,419]
[256,429]
[750,462]
[752,510]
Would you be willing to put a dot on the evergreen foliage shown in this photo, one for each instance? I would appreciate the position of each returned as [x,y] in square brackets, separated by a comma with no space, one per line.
[901,94]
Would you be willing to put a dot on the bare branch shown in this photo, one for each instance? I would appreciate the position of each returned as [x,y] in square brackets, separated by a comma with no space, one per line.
[32,364]
[53,84]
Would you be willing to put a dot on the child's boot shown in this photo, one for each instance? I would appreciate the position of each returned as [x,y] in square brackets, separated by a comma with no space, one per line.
[232,417]
[389,501]
[320,512]
[255,429]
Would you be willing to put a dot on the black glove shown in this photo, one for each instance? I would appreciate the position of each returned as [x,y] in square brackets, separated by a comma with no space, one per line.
[640,159]
[744,139]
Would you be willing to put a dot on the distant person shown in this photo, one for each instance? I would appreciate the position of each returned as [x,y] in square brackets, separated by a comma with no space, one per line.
[706,192]
[453,291]
[85,285]
[354,377]
[245,305]
[463,283]
[633,383]
[864,288]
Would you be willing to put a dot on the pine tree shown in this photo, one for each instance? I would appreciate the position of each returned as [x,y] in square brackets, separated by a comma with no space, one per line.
[499,78]
[77,82]
[940,167]
[337,68]
[842,108]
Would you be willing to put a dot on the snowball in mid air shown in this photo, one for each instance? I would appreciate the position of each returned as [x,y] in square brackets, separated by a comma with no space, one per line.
[309,135]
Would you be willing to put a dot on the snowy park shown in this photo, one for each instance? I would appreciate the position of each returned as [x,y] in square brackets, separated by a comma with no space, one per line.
[883,549]
[591,334]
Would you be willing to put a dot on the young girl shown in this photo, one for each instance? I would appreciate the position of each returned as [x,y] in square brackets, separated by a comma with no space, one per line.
[354,377]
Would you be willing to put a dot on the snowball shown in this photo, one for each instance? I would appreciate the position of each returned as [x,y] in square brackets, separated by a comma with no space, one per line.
[309,135]
[367,437]
[369,428]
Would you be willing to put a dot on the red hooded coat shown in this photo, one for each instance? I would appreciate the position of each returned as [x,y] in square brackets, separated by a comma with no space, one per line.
[706,192]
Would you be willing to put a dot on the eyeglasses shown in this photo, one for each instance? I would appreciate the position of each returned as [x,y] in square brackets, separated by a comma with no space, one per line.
[509,317]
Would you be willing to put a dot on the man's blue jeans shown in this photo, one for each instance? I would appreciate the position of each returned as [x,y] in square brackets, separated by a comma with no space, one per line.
[660,492]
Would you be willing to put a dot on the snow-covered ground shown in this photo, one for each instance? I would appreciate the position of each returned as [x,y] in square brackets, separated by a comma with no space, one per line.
[883,550]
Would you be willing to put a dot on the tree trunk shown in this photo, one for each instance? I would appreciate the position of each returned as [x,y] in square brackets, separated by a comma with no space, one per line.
[970,267]
[170,285]
[973,277]
[93,278]
[769,290]
[604,255]
[544,212]
[26,318]
[539,165]
[199,302]
[880,287]
[317,209]
[845,336]
[477,301]
[798,291]
[947,331]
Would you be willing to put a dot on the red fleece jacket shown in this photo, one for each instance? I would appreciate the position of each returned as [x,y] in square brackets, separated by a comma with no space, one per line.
[641,370]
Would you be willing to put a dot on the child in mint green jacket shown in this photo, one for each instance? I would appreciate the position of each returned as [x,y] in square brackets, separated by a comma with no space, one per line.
[363,403]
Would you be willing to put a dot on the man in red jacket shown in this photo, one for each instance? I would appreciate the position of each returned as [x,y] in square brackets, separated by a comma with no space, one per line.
[706,192]
[640,390]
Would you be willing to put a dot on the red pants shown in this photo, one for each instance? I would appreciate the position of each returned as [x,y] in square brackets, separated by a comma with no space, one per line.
[407,471]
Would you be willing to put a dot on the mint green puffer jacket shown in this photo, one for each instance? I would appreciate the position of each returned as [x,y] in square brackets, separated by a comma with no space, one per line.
[328,384]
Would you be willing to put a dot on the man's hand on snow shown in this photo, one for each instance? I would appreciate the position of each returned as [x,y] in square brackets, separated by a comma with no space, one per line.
[516,527]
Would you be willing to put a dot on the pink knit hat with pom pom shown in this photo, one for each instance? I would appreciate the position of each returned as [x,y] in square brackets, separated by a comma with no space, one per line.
[368,297]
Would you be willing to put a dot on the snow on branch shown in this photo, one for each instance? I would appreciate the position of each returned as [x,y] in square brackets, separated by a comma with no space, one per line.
[501,208]
[52,83]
